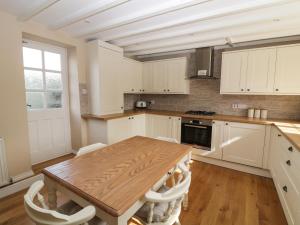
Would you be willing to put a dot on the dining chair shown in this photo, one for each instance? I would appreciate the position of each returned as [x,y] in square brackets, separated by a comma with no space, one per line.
[173,140]
[90,148]
[163,207]
[68,214]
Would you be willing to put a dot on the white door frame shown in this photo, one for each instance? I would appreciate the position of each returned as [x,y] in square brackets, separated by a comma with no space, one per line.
[65,82]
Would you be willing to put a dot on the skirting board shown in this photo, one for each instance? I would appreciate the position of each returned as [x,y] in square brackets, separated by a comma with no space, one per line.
[234,166]
[19,186]
[22,176]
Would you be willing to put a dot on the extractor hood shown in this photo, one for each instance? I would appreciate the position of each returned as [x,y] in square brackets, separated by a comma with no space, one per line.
[203,62]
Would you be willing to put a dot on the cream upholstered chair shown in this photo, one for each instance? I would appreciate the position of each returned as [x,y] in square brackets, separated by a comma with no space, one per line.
[42,215]
[173,140]
[90,148]
[163,207]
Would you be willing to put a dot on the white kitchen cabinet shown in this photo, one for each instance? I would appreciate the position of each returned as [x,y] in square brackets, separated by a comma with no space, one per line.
[216,140]
[234,70]
[118,129]
[132,75]
[244,143]
[261,70]
[163,126]
[105,78]
[287,79]
[165,76]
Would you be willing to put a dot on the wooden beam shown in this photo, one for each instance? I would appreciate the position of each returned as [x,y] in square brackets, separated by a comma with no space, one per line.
[132,17]
[36,10]
[236,20]
[86,12]
[221,33]
[243,7]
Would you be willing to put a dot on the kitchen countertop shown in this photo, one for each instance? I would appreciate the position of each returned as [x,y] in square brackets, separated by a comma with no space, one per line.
[289,128]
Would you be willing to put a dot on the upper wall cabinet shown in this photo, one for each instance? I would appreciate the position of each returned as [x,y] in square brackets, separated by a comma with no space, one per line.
[132,75]
[165,76]
[105,89]
[261,71]
[287,79]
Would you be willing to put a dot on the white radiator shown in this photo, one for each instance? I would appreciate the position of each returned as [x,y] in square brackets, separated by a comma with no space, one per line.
[4,178]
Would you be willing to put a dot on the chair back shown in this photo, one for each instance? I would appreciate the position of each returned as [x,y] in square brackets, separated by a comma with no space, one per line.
[44,216]
[90,148]
[173,196]
[173,140]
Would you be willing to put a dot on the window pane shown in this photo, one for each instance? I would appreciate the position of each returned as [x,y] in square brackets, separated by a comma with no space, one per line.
[53,81]
[54,99]
[35,100]
[33,79]
[52,61]
[32,58]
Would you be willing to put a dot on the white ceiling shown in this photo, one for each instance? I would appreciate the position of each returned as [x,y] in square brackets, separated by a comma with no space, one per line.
[153,26]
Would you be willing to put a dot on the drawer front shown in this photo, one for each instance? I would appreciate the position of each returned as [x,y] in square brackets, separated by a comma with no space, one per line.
[289,192]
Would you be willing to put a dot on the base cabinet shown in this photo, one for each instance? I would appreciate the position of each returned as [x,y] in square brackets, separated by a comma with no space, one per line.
[238,142]
[285,166]
[163,126]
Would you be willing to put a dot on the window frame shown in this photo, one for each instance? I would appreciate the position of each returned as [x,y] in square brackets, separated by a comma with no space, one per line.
[63,55]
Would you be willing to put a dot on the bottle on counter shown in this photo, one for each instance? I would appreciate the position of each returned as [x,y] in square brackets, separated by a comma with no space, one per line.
[264,114]
[257,113]
[250,112]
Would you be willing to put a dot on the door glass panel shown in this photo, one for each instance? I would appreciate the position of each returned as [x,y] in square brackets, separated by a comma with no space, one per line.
[33,79]
[53,81]
[32,58]
[54,99]
[52,61]
[35,100]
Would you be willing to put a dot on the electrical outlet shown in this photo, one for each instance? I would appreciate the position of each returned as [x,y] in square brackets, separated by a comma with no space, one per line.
[152,102]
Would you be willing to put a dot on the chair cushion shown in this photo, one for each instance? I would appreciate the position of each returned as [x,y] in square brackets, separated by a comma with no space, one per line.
[159,209]
[70,208]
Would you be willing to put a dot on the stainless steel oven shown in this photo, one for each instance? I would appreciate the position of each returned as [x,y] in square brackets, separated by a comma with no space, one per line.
[197,133]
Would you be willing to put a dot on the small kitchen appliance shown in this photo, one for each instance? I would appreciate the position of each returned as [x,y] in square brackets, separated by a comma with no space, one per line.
[141,104]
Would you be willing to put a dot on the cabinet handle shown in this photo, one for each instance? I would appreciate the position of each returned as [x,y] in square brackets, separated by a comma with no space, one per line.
[129,118]
[279,135]
[285,188]
[288,162]
[164,90]
[143,90]
[168,89]
[132,89]
[276,89]
[179,119]
[140,90]
[291,149]
[132,118]
[242,89]
[248,89]
[226,123]
[122,107]
[169,118]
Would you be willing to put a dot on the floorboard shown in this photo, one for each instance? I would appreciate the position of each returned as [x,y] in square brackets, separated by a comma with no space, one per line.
[218,196]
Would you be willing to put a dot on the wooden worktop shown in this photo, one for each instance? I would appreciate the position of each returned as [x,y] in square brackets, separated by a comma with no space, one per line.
[117,176]
[289,128]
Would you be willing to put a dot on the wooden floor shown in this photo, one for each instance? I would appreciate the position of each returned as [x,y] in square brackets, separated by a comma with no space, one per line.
[218,196]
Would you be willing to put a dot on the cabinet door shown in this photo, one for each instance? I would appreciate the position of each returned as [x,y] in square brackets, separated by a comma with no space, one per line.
[244,143]
[159,77]
[234,69]
[176,128]
[132,76]
[158,126]
[216,140]
[118,129]
[147,77]
[112,100]
[138,125]
[287,78]
[176,75]
[261,70]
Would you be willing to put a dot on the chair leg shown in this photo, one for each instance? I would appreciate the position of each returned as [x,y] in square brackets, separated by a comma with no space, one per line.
[177,222]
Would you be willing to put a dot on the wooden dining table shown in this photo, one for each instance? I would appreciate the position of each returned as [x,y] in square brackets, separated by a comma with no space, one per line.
[115,179]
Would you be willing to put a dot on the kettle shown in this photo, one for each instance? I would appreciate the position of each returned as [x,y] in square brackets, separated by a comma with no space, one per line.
[141,104]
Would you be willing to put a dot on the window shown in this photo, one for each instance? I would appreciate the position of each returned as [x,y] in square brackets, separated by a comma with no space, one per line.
[43,78]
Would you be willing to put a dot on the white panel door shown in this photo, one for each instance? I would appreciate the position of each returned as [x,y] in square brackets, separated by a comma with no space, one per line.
[176,128]
[287,79]
[147,77]
[261,70]
[176,75]
[216,140]
[244,143]
[47,101]
[234,69]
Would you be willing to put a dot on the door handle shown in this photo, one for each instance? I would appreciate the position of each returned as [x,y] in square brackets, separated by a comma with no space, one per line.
[199,127]
[285,188]
[28,105]
[288,162]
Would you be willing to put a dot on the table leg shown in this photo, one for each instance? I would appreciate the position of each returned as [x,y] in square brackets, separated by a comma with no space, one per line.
[52,197]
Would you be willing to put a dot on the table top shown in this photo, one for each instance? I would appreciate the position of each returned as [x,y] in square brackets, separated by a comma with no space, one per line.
[115,177]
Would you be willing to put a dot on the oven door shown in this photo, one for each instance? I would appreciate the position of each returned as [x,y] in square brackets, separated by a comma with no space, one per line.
[199,135]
